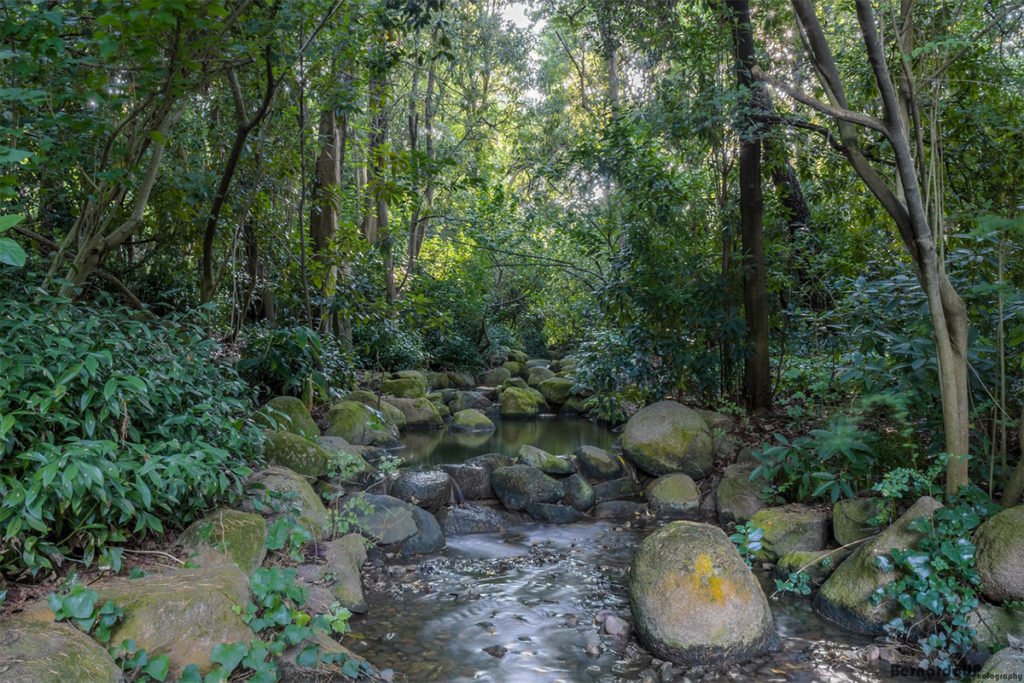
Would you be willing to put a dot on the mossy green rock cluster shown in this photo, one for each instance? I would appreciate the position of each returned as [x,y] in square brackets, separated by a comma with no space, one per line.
[534,376]
[520,403]
[792,528]
[183,614]
[361,425]
[471,420]
[694,601]
[556,390]
[845,597]
[375,402]
[668,437]
[279,492]
[240,536]
[544,461]
[419,413]
[850,518]
[495,377]
[517,486]
[296,453]
[42,652]
[673,496]
[404,387]
[288,414]
[738,498]
[1000,555]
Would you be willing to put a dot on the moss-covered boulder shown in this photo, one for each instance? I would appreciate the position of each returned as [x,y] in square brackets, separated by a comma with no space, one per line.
[574,405]
[534,376]
[850,519]
[792,528]
[183,614]
[466,400]
[361,425]
[513,367]
[673,496]
[993,625]
[518,357]
[419,413]
[460,380]
[346,458]
[818,565]
[437,380]
[278,492]
[494,378]
[737,497]
[556,390]
[1005,665]
[41,652]
[471,420]
[694,601]
[668,437]
[404,387]
[296,453]
[372,400]
[520,485]
[578,492]
[597,463]
[845,597]
[287,414]
[717,422]
[340,571]
[519,403]
[623,488]
[1000,555]
[517,382]
[544,461]
[430,489]
[239,536]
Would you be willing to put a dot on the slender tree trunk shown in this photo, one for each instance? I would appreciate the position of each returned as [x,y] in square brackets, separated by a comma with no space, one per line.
[757,370]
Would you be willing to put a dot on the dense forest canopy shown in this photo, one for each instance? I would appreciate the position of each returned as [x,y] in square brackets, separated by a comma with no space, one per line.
[811,208]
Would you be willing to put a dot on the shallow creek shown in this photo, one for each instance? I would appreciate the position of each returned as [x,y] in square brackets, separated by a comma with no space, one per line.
[526,605]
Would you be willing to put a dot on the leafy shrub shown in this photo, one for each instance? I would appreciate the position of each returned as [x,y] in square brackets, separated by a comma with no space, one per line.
[108,423]
[382,343]
[294,361]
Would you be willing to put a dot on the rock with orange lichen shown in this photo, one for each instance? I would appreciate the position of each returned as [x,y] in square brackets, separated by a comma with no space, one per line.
[694,601]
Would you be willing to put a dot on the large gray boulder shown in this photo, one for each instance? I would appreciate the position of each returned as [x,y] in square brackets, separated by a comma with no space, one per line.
[477,519]
[430,489]
[1000,555]
[846,596]
[517,486]
[674,496]
[597,463]
[471,482]
[339,574]
[668,437]
[693,599]
[45,652]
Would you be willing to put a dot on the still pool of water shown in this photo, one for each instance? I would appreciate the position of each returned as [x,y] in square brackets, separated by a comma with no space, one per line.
[523,605]
[558,435]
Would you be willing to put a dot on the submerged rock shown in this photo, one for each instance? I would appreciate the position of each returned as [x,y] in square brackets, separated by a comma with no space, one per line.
[673,496]
[693,599]
[240,536]
[287,414]
[1000,555]
[471,420]
[668,437]
[519,485]
[40,652]
[845,597]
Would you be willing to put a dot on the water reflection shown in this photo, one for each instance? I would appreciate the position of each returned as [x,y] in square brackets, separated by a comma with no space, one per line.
[556,435]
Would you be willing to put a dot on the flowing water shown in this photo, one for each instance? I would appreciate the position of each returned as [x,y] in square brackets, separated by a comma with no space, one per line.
[526,605]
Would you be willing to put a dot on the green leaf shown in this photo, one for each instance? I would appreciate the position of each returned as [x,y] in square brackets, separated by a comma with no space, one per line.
[158,667]
[8,222]
[11,253]
[229,655]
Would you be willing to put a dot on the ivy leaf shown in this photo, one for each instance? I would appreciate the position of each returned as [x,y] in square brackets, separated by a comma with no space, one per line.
[229,655]
[158,668]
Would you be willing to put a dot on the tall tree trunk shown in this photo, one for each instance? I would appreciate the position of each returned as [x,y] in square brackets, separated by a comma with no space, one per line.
[757,371]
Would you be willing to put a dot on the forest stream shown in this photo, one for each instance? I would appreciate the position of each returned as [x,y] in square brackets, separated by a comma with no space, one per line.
[526,604]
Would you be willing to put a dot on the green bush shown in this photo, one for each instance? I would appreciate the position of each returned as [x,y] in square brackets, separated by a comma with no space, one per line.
[109,423]
[294,361]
